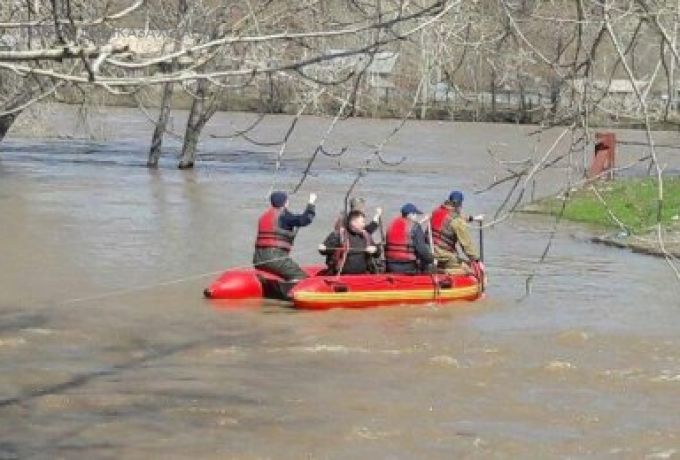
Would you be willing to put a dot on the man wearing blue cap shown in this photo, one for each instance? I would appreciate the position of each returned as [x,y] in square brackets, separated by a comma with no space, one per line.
[407,249]
[276,232]
[449,231]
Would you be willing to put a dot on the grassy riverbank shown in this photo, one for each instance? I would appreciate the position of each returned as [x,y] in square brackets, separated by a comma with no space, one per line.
[629,203]
[625,209]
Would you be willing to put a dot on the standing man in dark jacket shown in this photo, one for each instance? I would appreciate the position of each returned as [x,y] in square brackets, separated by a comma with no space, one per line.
[408,250]
[350,250]
[276,232]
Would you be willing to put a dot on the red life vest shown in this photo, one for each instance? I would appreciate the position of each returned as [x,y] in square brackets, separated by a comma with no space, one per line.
[442,234]
[270,235]
[340,253]
[400,246]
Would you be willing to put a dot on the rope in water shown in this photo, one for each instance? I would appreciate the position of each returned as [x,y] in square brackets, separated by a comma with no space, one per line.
[144,287]
[120,292]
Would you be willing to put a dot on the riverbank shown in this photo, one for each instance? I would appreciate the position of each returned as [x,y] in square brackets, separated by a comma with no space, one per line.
[623,213]
[396,106]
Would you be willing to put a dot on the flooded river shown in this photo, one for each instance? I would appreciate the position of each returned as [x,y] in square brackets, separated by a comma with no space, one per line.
[108,350]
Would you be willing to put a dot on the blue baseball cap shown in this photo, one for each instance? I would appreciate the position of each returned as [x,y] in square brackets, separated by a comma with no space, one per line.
[278,199]
[456,197]
[410,208]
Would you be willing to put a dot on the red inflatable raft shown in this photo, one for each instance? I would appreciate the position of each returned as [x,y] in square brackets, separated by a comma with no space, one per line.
[348,291]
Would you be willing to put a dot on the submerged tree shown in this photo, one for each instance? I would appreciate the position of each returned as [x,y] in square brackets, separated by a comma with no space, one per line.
[181,25]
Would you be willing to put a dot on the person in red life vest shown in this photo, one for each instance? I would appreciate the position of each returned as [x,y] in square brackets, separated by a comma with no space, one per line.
[351,250]
[450,231]
[407,248]
[276,232]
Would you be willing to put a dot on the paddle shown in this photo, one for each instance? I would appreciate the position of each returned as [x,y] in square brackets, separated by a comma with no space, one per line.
[433,274]
[479,267]
[429,236]
[383,238]
[381,264]
[323,247]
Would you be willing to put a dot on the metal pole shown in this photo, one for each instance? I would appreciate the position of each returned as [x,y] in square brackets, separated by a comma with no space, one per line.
[481,240]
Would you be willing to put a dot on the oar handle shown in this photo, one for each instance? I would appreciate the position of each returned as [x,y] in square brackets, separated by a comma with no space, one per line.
[350,249]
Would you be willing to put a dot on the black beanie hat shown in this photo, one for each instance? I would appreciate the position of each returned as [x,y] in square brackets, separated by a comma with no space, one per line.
[278,199]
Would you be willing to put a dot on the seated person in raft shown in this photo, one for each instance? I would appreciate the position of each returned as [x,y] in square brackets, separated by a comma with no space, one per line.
[350,250]
[408,250]
[450,232]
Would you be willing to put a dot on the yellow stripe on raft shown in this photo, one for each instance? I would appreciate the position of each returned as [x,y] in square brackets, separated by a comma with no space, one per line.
[373,296]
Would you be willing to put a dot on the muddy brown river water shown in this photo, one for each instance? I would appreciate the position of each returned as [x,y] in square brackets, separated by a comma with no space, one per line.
[108,350]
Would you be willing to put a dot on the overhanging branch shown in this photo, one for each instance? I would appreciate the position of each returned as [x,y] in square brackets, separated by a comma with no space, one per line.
[65,52]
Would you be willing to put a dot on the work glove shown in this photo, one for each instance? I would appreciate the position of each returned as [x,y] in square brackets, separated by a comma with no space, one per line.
[378,214]
[322,247]
[312,198]
[371,249]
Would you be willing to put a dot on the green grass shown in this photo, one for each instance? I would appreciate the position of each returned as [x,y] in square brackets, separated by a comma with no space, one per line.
[633,201]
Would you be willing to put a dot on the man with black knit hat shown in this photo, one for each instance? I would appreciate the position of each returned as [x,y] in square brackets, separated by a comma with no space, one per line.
[276,232]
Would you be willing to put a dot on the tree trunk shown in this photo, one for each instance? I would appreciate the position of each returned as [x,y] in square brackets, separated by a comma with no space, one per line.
[556,81]
[194,126]
[161,126]
[493,94]
[6,122]
[191,138]
[555,90]
[522,104]
[206,102]
[427,65]
[168,89]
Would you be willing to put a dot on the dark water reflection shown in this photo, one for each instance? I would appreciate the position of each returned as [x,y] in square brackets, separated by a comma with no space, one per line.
[585,367]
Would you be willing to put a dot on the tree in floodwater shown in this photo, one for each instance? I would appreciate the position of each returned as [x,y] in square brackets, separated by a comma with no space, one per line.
[11,100]
[208,94]
[180,24]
